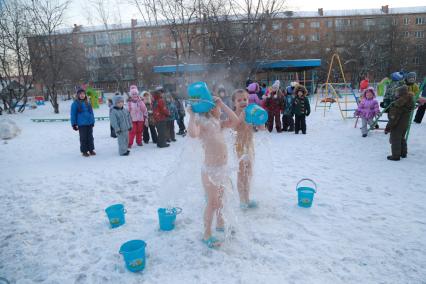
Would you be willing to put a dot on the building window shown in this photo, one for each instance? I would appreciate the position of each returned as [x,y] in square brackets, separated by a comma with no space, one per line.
[150,58]
[315,37]
[394,21]
[148,34]
[406,21]
[161,45]
[301,25]
[419,47]
[139,59]
[420,21]
[406,34]
[289,38]
[419,34]
[198,31]
[290,26]
[276,26]
[416,60]
[329,24]
[315,24]
[369,22]
[302,38]
[343,22]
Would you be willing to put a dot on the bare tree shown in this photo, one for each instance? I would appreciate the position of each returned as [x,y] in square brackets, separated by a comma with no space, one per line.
[51,49]
[15,25]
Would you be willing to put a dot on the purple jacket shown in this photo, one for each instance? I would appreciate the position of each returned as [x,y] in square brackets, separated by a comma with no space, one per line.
[368,108]
[254,99]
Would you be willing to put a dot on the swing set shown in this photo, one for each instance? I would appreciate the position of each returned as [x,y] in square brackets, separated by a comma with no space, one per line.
[337,92]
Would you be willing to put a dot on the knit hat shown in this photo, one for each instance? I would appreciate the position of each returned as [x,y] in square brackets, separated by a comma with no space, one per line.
[293,84]
[276,85]
[411,77]
[117,99]
[369,89]
[80,91]
[397,76]
[252,88]
[134,90]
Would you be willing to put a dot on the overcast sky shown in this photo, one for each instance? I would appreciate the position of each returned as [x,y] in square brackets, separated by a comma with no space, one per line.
[79,11]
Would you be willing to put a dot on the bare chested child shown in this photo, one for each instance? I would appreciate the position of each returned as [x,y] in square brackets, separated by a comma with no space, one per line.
[214,174]
[244,148]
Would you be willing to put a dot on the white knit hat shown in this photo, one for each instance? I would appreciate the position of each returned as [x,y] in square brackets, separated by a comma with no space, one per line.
[276,85]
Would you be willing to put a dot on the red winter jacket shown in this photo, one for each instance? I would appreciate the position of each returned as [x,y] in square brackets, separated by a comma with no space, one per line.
[160,111]
[274,101]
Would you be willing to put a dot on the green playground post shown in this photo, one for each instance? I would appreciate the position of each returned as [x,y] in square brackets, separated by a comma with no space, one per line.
[412,113]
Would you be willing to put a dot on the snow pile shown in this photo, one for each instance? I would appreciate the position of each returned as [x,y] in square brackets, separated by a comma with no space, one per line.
[8,129]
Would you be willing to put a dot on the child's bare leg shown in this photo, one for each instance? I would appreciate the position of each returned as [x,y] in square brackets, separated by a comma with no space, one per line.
[244,178]
[213,204]
[220,223]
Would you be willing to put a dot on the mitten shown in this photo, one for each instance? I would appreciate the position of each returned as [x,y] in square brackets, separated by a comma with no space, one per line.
[75,127]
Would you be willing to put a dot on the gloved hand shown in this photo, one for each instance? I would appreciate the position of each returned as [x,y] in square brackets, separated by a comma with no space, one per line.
[75,127]
[130,129]
[118,132]
[387,130]
[307,114]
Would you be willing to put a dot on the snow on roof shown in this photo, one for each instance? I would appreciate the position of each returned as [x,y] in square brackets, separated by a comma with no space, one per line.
[353,12]
[286,14]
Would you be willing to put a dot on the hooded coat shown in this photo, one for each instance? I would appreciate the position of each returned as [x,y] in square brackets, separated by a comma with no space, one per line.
[368,108]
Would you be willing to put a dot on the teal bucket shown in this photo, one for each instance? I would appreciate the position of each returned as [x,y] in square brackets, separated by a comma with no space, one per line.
[305,194]
[134,255]
[200,98]
[256,115]
[167,217]
[115,215]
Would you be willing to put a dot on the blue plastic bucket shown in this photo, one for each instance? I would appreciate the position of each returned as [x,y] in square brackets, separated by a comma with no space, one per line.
[256,115]
[134,255]
[200,98]
[167,217]
[305,194]
[115,215]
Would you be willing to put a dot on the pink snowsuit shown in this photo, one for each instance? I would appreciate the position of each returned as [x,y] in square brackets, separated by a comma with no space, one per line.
[138,113]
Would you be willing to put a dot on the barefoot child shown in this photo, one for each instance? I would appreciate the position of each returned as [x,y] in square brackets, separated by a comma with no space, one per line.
[214,174]
[244,148]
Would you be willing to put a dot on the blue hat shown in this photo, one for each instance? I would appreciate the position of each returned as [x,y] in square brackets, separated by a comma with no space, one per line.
[200,97]
[397,76]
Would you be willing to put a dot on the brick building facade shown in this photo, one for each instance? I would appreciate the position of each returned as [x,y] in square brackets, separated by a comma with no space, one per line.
[373,42]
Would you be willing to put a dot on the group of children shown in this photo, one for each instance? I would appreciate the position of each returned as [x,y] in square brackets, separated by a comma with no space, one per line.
[398,102]
[292,103]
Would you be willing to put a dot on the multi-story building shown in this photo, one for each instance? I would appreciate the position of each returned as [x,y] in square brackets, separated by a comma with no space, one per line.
[373,42]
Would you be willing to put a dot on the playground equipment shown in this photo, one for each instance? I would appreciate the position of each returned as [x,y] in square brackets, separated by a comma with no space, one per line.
[64,119]
[93,96]
[412,113]
[337,92]
[39,100]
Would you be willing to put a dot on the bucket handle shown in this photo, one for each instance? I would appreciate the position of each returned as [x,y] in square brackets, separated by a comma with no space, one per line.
[178,210]
[307,179]
[121,252]
[124,211]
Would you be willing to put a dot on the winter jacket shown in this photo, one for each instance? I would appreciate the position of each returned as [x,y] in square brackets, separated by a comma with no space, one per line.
[389,96]
[288,105]
[274,101]
[120,119]
[254,99]
[137,109]
[150,114]
[368,108]
[301,106]
[399,112]
[171,107]
[82,113]
[413,88]
[160,111]
[180,108]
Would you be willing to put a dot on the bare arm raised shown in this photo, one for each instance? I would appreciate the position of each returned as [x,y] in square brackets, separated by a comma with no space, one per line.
[232,120]
[193,128]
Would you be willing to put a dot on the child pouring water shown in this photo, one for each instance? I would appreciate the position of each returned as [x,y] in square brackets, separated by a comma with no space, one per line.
[244,148]
[214,174]
[368,108]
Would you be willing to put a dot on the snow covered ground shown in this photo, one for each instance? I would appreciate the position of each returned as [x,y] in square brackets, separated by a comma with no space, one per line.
[367,223]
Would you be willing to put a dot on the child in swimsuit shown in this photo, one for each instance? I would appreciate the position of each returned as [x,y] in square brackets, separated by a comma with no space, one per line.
[214,174]
[244,148]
